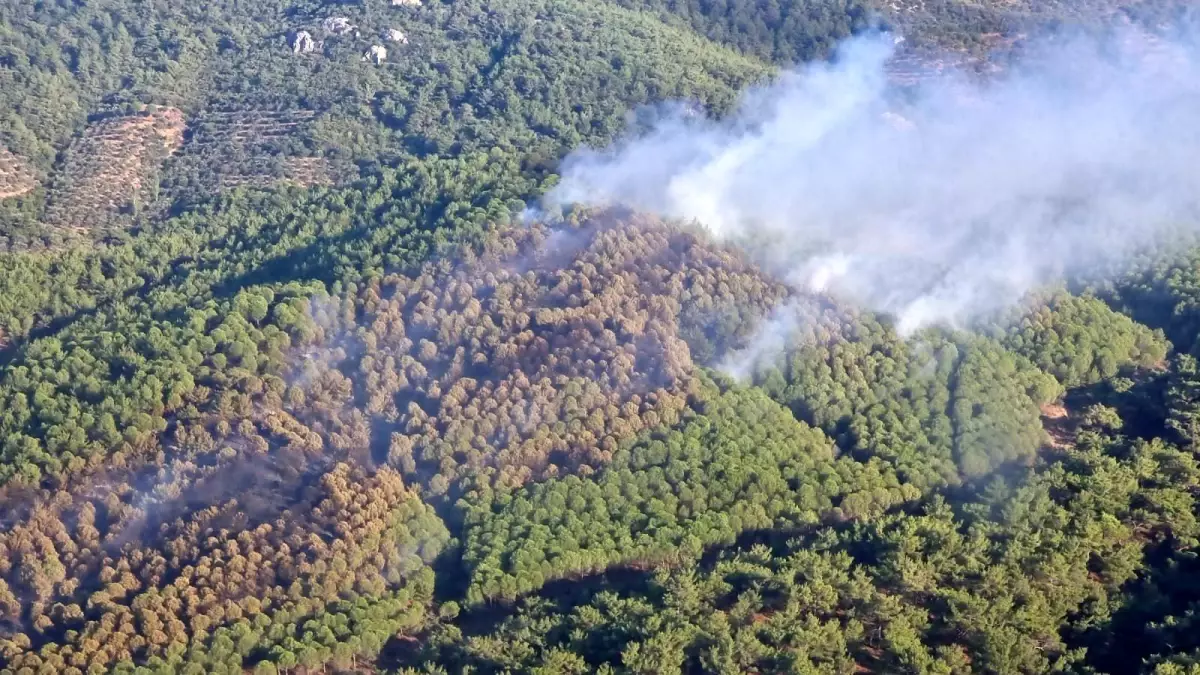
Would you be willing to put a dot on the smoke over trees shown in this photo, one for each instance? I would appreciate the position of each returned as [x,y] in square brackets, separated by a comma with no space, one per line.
[346,391]
[939,203]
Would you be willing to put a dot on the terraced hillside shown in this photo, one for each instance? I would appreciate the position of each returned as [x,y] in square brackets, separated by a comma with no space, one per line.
[256,148]
[113,168]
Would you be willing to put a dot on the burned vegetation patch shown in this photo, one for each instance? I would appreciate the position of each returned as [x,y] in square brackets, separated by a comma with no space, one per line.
[537,356]
[284,491]
[78,592]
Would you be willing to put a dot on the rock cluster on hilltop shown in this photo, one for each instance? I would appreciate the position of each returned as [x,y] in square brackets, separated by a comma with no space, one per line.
[303,43]
[376,54]
[337,25]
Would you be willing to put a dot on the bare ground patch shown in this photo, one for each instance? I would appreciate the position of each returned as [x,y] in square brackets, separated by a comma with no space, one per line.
[113,167]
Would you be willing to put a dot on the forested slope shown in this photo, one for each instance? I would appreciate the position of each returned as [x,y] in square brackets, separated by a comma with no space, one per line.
[291,378]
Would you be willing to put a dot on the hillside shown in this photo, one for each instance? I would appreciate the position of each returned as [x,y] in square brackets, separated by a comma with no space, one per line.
[295,375]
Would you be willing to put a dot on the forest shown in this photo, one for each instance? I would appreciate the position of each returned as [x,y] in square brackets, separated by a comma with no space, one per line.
[295,376]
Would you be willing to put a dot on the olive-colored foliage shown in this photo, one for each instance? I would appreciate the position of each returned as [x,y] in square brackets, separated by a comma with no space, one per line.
[1163,291]
[16,176]
[1008,580]
[741,462]
[1183,400]
[1080,340]
[787,31]
[941,408]
[530,77]
[112,169]
[225,425]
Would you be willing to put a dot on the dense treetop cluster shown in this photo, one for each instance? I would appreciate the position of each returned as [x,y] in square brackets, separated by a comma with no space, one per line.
[292,379]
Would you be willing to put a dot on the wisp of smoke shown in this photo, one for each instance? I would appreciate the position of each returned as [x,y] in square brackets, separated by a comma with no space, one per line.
[935,205]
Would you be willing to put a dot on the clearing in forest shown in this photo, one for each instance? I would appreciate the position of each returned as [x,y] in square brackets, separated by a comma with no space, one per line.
[16,176]
[246,126]
[113,167]
[256,147]
[1059,425]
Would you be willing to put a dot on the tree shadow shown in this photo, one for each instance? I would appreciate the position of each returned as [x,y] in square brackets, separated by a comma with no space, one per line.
[1138,398]
[1157,616]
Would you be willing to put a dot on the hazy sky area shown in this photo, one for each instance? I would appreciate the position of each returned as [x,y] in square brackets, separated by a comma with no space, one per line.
[935,205]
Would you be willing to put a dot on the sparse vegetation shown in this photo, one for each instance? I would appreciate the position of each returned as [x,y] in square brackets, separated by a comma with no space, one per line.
[16,176]
[257,148]
[112,169]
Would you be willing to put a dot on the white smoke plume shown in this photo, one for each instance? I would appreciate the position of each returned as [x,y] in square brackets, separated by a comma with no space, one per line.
[935,205]
[785,324]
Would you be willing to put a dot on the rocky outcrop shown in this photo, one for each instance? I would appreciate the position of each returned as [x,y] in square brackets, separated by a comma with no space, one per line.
[397,36]
[376,54]
[302,42]
[337,25]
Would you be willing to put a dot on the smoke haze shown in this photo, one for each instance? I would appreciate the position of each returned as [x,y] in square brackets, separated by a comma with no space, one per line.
[934,205]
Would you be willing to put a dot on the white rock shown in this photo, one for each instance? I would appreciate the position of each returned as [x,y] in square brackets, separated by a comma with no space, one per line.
[377,53]
[303,43]
[406,3]
[397,36]
[337,25]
